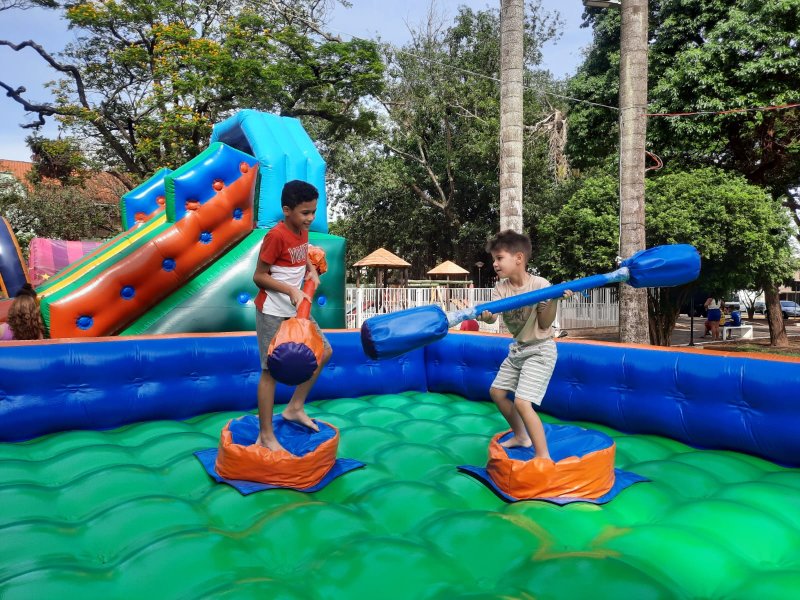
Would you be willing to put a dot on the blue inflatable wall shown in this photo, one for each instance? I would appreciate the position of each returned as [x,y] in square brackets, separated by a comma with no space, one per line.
[706,399]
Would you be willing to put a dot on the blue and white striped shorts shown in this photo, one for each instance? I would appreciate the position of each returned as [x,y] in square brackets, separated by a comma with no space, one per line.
[527,369]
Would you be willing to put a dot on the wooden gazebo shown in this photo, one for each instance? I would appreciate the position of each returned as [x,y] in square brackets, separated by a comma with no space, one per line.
[383,260]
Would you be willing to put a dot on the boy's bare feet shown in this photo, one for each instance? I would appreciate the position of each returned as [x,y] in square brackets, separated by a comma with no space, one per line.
[300,417]
[517,442]
[270,444]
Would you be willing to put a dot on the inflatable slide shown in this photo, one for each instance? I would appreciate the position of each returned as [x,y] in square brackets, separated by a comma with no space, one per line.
[185,261]
[208,207]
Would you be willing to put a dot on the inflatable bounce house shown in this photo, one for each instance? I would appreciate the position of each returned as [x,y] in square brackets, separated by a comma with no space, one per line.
[103,495]
[185,261]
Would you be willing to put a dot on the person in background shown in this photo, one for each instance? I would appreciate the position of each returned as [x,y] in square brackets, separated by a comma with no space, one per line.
[24,318]
[713,315]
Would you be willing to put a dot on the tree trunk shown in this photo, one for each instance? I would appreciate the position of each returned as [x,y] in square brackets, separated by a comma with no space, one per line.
[664,305]
[511,123]
[777,328]
[633,321]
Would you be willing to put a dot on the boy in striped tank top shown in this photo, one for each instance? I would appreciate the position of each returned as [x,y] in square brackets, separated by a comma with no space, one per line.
[531,358]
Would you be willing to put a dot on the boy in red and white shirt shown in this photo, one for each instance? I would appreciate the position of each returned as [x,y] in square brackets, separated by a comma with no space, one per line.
[280,272]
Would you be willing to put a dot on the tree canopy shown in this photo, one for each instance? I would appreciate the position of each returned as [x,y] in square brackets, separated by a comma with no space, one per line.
[146,79]
[739,230]
[713,57]
[428,184]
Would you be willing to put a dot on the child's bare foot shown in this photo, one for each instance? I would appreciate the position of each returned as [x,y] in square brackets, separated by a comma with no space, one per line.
[301,418]
[270,444]
[517,442]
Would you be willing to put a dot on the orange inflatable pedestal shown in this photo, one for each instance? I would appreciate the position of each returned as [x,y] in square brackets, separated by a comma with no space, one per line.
[581,469]
[589,473]
[308,457]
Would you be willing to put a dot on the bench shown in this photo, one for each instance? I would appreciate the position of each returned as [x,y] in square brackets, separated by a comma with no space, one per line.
[745,331]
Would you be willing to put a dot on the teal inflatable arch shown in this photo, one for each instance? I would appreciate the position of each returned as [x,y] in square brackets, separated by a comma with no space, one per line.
[284,152]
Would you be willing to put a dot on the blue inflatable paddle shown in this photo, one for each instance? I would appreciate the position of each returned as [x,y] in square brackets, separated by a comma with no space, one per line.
[392,334]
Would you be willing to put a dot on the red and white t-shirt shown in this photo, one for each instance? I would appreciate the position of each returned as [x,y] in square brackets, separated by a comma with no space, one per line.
[286,253]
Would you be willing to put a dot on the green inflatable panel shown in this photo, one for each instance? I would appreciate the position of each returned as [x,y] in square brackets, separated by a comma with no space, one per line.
[131,513]
[221,297]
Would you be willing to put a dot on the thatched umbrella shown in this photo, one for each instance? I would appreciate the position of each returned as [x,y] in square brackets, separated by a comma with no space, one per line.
[383,260]
[448,268]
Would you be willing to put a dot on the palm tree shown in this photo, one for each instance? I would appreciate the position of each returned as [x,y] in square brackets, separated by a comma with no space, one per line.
[512,17]
[633,309]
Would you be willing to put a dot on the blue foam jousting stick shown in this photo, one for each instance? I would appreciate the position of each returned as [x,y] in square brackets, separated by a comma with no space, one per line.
[392,334]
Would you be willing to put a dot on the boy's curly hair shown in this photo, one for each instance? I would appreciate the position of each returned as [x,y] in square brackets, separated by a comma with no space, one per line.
[510,241]
[296,192]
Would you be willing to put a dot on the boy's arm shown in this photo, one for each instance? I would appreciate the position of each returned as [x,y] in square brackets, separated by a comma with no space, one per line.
[265,281]
[548,310]
[311,272]
[486,316]
[547,313]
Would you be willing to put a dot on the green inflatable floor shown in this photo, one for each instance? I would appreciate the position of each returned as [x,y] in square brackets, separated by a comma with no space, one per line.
[131,513]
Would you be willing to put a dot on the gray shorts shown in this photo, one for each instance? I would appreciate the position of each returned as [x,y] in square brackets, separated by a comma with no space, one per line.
[266,328]
[527,369]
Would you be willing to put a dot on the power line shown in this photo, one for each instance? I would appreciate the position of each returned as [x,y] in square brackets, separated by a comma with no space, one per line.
[725,112]
[453,67]
[553,94]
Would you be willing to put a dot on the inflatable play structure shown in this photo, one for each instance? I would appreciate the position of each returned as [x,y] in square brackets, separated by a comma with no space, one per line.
[13,274]
[111,447]
[102,491]
[46,257]
[186,258]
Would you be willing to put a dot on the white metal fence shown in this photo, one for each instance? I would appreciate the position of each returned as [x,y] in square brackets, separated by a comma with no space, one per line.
[598,308]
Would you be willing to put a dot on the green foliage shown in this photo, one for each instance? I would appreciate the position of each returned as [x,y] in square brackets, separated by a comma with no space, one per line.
[427,187]
[707,55]
[739,230]
[57,212]
[61,160]
[26,4]
[152,77]
[581,239]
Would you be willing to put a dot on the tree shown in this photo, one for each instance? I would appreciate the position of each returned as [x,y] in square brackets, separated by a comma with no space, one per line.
[719,59]
[512,53]
[61,160]
[740,232]
[706,56]
[55,211]
[26,4]
[436,159]
[146,81]
[633,127]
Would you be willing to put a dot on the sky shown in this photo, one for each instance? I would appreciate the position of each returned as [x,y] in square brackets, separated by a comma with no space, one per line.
[365,19]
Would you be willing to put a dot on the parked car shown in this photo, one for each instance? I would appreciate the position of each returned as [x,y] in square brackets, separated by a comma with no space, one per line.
[760,308]
[790,309]
[733,305]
